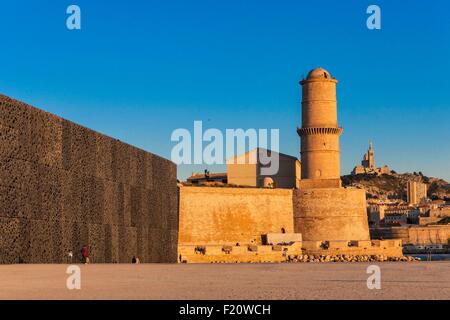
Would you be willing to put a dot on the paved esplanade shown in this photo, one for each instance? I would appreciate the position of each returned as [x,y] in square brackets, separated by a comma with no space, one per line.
[415,280]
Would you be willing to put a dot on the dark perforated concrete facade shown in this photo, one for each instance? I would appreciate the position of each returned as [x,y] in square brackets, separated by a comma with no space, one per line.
[63,186]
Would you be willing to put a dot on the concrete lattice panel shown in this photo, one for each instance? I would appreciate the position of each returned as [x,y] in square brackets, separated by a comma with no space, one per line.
[63,185]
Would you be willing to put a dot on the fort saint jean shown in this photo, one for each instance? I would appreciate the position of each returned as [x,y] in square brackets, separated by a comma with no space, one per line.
[64,186]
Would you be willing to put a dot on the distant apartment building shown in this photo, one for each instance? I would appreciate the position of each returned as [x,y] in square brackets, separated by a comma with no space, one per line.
[435,214]
[368,164]
[395,218]
[441,212]
[375,214]
[416,192]
[411,214]
[380,214]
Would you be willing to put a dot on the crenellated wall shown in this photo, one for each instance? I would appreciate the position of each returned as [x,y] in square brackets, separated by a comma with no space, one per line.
[63,185]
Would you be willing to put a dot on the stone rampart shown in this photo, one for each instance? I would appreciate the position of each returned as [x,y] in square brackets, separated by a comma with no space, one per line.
[330,214]
[226,216]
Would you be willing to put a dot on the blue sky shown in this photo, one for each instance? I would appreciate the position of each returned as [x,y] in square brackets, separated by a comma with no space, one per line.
[140,69]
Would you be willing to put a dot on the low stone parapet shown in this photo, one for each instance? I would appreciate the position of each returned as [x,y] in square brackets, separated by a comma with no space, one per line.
[312,245]
[338,244]
[234,254]
[391,248]
[282,238]
[358,251]
[364,243]
[239,250]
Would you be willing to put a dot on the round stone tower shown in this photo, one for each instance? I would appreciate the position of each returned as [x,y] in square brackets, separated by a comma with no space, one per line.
[323,210]
[320,131]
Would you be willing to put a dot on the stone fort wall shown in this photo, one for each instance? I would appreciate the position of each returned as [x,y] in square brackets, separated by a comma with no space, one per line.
[225,216]
[63,186]
[415,235]
[331,214]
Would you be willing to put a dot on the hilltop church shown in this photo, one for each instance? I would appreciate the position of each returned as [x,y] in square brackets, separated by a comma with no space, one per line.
[368,164]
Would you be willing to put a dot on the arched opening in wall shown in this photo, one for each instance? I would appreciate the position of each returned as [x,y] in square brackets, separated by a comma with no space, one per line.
[283,230]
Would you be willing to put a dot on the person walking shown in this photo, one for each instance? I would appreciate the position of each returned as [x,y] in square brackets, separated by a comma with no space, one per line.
[84,254]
